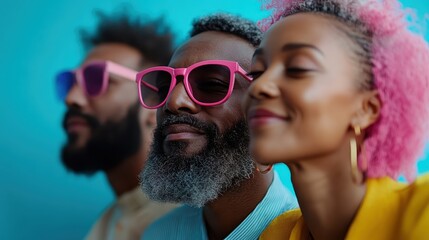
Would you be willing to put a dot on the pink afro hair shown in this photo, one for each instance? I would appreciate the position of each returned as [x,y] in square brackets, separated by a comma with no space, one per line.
[400,68]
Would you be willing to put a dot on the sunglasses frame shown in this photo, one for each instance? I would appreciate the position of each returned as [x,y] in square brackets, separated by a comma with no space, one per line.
[234,67]
[109,67]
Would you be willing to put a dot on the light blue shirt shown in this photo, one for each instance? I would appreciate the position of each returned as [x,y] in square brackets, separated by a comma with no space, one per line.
[187,222]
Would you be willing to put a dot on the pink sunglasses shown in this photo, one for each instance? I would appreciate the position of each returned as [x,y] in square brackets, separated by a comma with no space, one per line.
[207,83]
[93,77]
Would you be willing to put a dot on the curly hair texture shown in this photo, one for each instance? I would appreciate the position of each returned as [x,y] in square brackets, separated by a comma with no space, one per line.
[228,23]
[152,38]
[395,62]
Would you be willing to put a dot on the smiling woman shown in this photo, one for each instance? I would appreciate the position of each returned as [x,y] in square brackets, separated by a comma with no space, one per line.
[340,95]
[37,41]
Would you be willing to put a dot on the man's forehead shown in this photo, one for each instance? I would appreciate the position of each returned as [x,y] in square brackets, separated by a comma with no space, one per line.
[213,45]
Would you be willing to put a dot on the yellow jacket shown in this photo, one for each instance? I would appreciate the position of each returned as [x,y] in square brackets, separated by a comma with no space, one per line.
[390,210]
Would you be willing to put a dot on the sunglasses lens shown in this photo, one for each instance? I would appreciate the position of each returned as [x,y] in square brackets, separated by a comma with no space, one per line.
[93,76]
[64,82]
[210,83]
[154,87]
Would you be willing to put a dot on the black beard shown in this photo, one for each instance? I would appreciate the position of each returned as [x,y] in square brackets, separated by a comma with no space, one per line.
[196,180]
[109,145]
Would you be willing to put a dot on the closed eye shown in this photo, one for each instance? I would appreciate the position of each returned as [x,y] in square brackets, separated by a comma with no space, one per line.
[295,70]
[255,74]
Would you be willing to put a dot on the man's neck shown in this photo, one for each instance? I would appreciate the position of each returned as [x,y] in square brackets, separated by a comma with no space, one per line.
[124,177]
[224,214]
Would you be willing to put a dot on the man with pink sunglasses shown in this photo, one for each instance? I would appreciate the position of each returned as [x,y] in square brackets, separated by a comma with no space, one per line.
[200,154]
[106,128]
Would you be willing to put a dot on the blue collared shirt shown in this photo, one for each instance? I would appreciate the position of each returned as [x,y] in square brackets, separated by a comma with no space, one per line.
[187,222]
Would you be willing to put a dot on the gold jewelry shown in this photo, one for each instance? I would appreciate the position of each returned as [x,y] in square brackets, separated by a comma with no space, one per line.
[354,154]
[357,130]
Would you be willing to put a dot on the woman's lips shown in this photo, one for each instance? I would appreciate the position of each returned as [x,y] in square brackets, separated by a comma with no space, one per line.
[178,132]
[260,117]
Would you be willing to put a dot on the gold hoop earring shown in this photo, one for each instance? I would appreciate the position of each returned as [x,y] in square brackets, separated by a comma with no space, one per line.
[354,154]
[265,171]
[357,130]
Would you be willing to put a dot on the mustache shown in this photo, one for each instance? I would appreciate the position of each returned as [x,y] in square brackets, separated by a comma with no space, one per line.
[207,128]
[72,112]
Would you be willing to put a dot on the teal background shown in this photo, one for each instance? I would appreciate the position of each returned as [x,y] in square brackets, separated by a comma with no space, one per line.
[39,198]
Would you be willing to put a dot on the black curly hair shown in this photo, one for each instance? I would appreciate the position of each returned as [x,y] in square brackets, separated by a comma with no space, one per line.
[151,37]
[228,23]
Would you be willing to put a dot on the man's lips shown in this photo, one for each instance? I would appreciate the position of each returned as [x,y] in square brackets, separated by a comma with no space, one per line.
[181,131]
[73,124]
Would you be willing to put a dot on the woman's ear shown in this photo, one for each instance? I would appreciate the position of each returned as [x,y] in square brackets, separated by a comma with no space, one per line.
[369,110]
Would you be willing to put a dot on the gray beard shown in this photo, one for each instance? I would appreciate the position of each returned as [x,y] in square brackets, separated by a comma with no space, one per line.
[222,165]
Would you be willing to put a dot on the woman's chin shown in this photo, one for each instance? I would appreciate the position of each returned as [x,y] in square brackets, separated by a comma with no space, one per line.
[265,155]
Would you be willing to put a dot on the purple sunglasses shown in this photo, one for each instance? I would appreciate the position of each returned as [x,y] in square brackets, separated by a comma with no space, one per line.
[207,83]
[93,77]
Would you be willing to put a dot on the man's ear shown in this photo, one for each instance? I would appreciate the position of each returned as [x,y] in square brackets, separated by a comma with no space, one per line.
[147,117]
[150,119]
[369,110]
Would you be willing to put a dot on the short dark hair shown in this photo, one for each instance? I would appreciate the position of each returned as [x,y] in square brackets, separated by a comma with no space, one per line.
[228,23]
[151,37]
